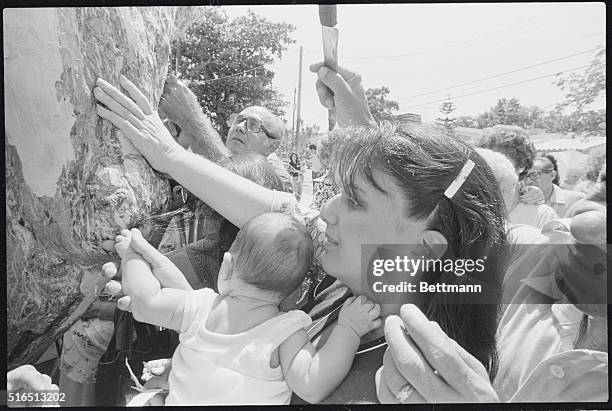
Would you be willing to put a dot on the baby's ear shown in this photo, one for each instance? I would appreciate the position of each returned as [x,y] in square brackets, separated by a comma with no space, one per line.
[225,272]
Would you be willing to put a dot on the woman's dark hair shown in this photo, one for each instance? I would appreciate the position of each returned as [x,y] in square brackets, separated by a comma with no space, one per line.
[513,142]
[292,156]
[423,162]
[553,162]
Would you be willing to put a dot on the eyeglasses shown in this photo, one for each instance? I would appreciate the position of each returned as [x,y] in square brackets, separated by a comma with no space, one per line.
[538,174]
[254,125]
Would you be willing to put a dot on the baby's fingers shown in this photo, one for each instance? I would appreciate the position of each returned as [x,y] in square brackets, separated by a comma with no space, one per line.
[112,287]
[109,270]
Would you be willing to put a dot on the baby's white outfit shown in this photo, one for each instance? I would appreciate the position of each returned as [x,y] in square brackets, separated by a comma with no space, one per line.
[211,368]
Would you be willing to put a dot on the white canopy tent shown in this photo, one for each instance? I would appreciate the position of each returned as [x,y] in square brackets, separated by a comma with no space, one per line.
[571,153]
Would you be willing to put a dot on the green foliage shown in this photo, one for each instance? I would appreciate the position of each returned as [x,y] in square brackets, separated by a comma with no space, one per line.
[594,164]
[215,47]
[583,89]
[592,122]
[381,107]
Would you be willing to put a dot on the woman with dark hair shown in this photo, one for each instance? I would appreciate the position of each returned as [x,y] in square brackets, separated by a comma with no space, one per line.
[545,174]
[555,167]
[414,191]
[297,175]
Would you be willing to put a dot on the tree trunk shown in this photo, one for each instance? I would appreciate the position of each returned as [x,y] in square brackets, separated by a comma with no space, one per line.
[72,180]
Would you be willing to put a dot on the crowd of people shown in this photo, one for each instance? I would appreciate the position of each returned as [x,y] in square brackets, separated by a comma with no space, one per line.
[273,310]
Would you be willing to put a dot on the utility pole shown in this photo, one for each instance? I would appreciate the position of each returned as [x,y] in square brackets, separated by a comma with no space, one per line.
[293,117]
[299,103]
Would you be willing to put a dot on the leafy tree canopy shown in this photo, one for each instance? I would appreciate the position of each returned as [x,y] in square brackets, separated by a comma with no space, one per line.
[224,63]
[584,88]
[380,106]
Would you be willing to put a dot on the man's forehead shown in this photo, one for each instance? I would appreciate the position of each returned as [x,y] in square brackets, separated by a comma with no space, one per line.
[261,112]
[539,165]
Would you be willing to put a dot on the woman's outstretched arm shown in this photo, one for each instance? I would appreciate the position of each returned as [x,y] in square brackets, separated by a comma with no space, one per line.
[235,197]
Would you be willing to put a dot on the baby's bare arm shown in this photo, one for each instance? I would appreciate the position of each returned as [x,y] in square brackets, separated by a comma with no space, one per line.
[314,375]
[149,302]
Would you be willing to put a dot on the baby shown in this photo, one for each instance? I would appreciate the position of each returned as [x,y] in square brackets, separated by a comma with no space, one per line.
[236,347]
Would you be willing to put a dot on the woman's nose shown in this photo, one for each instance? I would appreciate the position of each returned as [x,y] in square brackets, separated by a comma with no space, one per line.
[329,210]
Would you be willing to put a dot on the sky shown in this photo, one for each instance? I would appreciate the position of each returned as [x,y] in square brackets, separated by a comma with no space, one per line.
[418,49]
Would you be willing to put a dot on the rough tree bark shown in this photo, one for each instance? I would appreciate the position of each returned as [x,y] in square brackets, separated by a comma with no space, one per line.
[72,180]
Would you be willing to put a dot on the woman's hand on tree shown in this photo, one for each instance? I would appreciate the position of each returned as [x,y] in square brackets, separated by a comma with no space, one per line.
[139,122]
[342,92]
[422,364]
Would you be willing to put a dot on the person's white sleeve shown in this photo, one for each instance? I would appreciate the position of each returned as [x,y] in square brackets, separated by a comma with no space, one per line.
[545,214]
[285,203]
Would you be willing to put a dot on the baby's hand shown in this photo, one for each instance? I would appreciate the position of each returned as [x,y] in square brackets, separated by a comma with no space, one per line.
[360,315]
[122,243]
[532,195]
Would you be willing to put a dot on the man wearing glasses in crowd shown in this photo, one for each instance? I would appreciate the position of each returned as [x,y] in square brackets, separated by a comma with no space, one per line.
[545,175]
[254,130]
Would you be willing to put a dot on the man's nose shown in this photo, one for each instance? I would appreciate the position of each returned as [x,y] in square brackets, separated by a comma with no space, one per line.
[329,212]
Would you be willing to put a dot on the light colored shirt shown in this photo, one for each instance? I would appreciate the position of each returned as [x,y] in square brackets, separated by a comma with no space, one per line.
[316,166]
[209,368]
[560,200]
[521,238]
[534,215]
[535,339]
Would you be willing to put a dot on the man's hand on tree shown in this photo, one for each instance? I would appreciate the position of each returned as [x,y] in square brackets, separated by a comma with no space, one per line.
[178,103]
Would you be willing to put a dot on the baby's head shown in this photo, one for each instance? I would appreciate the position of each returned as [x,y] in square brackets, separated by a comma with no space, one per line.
[272,252]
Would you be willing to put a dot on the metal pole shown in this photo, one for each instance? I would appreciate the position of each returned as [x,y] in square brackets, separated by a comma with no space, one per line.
[293,116]
[299,103]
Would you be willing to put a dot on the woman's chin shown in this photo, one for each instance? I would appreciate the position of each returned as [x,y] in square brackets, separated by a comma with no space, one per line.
[327,262]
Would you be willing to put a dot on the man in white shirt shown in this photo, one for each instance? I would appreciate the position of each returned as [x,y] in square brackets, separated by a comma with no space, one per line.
[544,176]
[316,166]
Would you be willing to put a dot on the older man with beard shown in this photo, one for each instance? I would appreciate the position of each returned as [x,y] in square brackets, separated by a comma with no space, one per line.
[255,129]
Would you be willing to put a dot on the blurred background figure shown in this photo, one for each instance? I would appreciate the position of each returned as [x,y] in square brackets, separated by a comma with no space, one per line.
[316,166]
[545,174]
[524,201]
[297,175]
[595,163]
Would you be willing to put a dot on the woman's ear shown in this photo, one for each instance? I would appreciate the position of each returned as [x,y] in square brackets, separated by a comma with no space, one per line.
[225,272]
[435,242]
